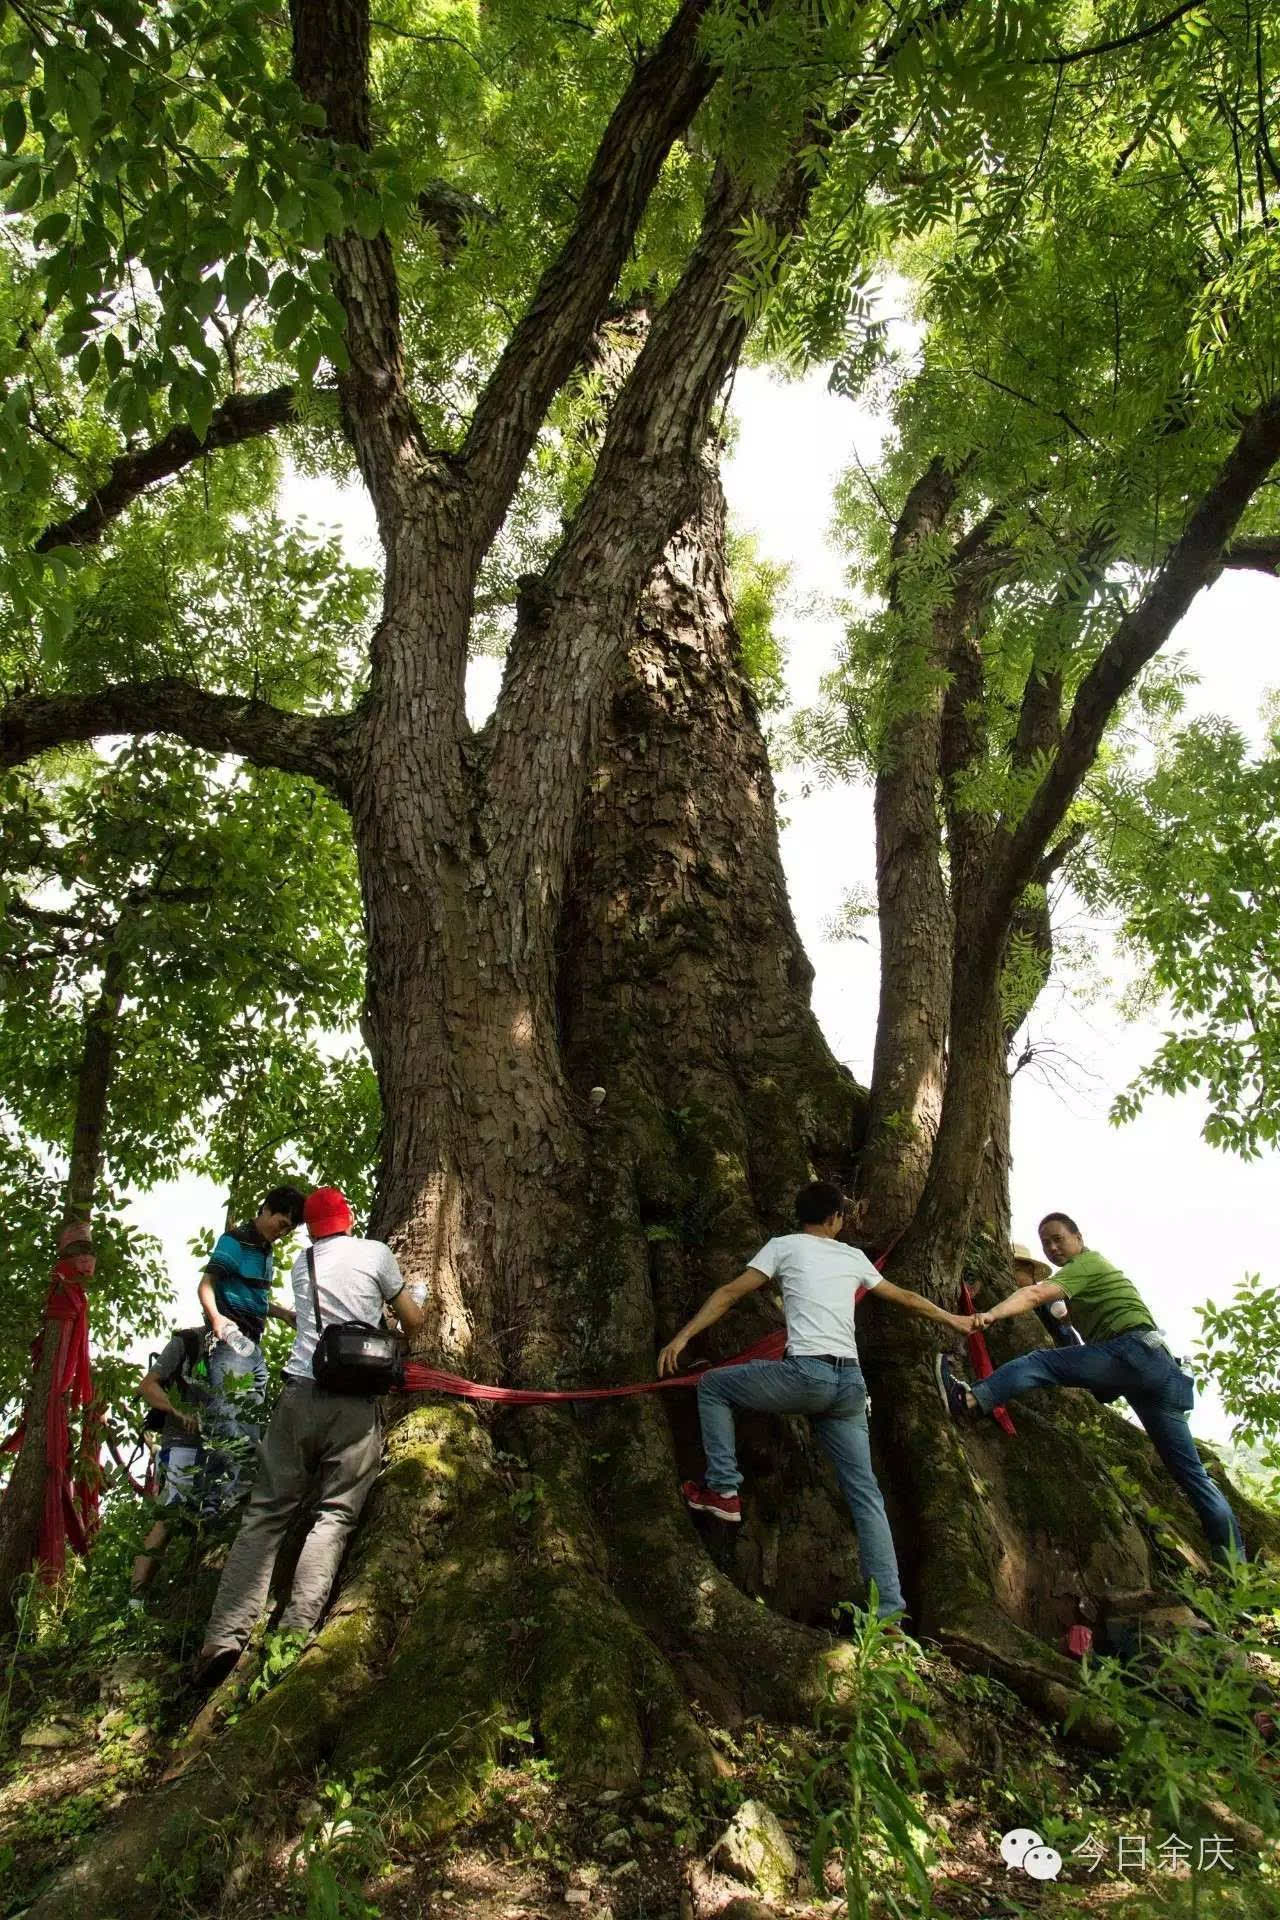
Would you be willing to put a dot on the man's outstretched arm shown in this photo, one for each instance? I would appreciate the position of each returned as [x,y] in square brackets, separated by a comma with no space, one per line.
[713,1308]
[1024,1300]
[917,1303]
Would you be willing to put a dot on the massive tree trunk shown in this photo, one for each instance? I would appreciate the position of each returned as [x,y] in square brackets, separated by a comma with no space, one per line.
[684,995]
[24,1494]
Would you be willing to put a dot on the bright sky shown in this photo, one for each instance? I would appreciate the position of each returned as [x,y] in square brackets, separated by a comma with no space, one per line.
[1186,1222]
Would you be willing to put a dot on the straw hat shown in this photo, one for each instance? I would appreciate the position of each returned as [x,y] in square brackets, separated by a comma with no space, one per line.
[1023,1256]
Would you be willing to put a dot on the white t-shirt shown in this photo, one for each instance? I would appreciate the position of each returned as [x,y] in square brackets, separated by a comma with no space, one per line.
[353,1278]
[819,1278]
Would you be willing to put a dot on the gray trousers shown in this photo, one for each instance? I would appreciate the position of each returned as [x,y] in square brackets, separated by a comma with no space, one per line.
[329,1440]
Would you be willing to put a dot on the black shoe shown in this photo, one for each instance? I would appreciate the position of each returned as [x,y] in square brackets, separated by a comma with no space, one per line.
[210,1673]
[953,1389]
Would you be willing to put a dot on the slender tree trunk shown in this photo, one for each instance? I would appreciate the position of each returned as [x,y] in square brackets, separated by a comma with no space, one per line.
[914,911]
[25,1492]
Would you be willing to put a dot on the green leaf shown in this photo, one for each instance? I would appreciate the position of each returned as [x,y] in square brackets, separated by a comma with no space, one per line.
[51,229]
[237,285]
[25,191]
[289,324]
[14,125]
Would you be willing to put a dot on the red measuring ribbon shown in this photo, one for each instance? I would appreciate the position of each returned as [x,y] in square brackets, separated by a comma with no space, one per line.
[422,1379]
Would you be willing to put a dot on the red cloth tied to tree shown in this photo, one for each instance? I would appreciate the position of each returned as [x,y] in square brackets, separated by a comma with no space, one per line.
[980,1359]
[70,1510]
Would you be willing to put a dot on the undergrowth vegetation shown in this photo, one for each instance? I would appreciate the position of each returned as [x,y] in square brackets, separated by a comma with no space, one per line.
[893,1804]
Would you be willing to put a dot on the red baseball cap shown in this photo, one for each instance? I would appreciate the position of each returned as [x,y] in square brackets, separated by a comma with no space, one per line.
[325,1211]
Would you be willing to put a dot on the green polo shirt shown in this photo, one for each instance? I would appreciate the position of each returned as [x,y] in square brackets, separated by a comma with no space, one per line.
[1104,1302]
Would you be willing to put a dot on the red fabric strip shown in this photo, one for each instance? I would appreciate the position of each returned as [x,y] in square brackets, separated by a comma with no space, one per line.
[420,1379]
[69,1514]
[980,1359]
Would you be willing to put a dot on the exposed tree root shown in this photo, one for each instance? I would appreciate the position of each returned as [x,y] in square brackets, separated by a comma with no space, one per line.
[1046,1682]
[579,1596]
[606,1701]
[746,1656]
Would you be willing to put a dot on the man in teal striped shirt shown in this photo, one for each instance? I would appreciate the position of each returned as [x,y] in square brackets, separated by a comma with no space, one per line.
[235,1294]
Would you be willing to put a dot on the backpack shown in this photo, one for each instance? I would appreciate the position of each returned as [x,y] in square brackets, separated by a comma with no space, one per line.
[193,1341]
[351,1356]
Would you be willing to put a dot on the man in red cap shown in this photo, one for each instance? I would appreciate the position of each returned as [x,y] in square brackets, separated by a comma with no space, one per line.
[332,1441]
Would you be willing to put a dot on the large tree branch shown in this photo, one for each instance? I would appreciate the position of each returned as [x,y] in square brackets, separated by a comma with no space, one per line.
[1190,565]
[570,631]
[331,68]
[1259,552]
[1039,726]
[312,744]
[447,210]
[46,917]
[1058,855]
[242,416]
[571,628]
[665,92]
[911,891]
[1139,34]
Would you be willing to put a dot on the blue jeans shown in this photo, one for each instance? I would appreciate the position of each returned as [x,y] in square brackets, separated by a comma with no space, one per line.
[231,1426]
[835,1399]
[1158,1391]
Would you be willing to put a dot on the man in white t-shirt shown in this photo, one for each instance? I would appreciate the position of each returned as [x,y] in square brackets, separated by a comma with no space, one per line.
[820,1376]
[330,1442]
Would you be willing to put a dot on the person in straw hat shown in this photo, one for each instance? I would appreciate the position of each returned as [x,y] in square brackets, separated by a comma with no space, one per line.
[1054,1315]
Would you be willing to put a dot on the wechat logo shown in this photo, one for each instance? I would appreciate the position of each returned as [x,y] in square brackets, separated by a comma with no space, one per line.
[1023,1848]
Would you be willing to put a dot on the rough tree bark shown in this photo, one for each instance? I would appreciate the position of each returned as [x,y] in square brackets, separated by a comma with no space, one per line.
[971,1541]
[914,910]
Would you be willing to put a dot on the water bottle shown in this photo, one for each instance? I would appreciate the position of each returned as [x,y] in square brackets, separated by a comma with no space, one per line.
[239,1342]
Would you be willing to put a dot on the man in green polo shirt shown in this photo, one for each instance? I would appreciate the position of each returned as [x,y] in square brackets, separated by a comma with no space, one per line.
[1123,1354]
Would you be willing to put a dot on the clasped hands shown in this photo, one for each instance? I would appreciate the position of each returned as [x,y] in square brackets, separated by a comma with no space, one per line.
[969,1322]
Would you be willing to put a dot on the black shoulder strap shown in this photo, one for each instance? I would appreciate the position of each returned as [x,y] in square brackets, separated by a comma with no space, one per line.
[315,1291]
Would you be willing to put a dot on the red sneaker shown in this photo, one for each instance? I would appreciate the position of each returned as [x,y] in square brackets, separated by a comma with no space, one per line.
[721,1506]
